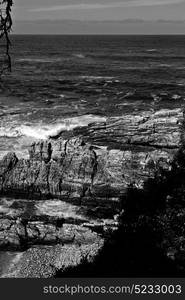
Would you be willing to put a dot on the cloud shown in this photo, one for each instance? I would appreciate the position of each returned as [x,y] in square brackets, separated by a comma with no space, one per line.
[121,4]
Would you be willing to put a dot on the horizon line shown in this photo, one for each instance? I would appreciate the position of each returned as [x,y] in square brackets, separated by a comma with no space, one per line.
[106,20]
[102,34]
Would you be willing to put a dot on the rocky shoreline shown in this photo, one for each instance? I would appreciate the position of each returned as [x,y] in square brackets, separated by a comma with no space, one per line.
[85,193]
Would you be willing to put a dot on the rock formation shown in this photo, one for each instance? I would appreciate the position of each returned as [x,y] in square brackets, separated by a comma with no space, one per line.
[93,170]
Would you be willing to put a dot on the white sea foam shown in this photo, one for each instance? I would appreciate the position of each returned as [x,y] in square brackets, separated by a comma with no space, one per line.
[44,131]
[151,50]
[9,132]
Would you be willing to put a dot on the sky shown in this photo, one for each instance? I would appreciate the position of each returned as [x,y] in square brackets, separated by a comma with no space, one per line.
[32,16]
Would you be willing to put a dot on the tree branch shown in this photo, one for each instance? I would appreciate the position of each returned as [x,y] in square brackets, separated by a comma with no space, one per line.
[5,28]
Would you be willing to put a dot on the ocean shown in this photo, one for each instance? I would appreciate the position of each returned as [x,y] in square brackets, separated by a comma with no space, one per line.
[61,82]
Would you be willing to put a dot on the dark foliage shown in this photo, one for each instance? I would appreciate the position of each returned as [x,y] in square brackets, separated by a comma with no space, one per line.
[150,241]
[5,28]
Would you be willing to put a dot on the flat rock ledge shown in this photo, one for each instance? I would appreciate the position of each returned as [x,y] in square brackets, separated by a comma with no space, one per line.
[93,170]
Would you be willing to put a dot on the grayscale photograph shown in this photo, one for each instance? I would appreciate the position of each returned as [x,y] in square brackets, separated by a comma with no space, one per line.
[92,138]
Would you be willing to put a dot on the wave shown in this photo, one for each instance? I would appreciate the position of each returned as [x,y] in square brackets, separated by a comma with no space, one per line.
[151,50]
[45,131]
[181,83]
[38,60]
[166,66]
[97,77]
[9,132]
[79,55]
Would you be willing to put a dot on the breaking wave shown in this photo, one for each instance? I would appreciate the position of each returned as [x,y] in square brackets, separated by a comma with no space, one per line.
[44,131]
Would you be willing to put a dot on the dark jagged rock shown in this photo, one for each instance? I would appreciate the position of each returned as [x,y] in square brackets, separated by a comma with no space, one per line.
[20,233]
[105,171]
[6,165]
[82,172]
